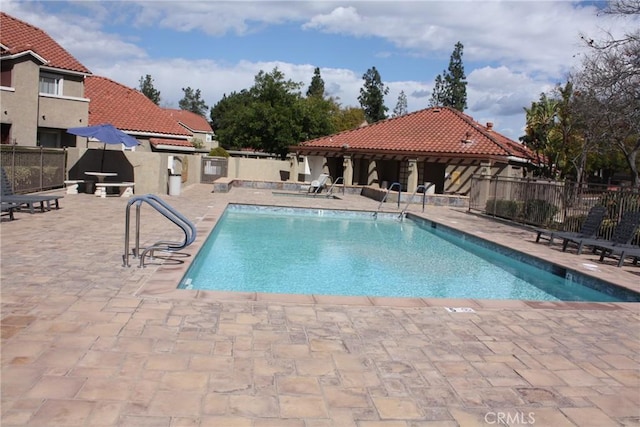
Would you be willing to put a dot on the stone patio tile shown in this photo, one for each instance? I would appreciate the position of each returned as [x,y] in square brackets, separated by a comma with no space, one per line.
[56,387]
[168,362]
[540,377]
[620,406]
[298,385]
[302,407]
[173,403]
[59,358]
[316,366]
[578,377]
[226,421]
[106,389]
[397,408]
[106,414]
[338,397]
[253,406]
[185,381]
[144,421]
[63,412]
[589,417]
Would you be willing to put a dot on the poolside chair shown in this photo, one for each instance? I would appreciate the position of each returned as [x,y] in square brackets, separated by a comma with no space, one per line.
[624,251]
[318,184]
[9,208]
[29,200]
[622,235]
[589,228]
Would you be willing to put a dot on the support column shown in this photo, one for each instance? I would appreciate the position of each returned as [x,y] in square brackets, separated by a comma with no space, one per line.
[347,164]
[293,167]
[372,173]
[412,176]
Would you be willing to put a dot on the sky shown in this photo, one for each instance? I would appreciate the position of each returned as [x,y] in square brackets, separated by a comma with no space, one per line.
[513,50]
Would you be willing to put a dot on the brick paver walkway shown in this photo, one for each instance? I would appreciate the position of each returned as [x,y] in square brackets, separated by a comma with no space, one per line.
[86,342]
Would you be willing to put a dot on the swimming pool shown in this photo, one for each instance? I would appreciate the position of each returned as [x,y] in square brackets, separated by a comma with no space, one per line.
[336,252]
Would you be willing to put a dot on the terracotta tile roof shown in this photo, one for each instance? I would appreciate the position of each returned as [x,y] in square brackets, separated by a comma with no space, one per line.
[433,131]
[127,109]
[191,120]
[172,142]
[18,37]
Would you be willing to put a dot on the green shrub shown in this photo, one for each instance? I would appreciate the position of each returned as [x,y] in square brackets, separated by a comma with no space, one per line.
[503,208]
[538,211]
[218,152]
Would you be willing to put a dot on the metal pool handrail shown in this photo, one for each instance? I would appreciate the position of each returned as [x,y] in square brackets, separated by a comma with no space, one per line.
[333,184]
[168,212]
[375,214]
[424,198]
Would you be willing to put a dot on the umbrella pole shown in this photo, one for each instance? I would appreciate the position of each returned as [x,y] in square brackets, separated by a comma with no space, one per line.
[104,148]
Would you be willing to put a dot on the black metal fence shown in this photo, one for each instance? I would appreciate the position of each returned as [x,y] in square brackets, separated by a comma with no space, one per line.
[550,204]
[213,168]
[32,169]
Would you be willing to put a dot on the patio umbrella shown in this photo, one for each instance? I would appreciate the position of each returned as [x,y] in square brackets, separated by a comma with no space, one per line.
[106,133]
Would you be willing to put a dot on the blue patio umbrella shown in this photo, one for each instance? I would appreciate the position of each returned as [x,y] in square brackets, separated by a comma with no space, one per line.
[106,133]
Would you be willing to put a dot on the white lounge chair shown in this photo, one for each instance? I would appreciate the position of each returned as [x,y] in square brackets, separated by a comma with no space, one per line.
[318,184]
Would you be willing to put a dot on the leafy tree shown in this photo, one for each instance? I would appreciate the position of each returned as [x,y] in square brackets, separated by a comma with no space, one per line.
[372,96]
[401,105]
[316,88]
[450,88]
[191,101]
[147,89]
[610,80]
[540,136]
[347,118]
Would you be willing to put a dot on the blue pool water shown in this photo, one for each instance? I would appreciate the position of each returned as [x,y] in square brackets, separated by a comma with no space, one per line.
[307,251]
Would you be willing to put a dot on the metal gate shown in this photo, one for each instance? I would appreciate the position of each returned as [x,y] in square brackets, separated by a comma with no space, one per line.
[212,169]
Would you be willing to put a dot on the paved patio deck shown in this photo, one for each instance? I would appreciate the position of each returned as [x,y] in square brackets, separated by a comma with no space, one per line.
[87,342]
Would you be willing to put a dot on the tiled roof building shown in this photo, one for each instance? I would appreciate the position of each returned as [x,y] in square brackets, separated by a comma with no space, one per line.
[131,111]
[439,145]
[42,87]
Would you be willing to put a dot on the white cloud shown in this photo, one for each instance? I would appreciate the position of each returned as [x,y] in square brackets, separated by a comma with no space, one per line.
[513,50]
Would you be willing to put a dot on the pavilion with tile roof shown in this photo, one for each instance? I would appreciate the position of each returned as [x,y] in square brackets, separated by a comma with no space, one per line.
[438,145]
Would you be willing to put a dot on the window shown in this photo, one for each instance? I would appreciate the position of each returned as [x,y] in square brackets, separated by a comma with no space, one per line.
[48,138]
[51,84]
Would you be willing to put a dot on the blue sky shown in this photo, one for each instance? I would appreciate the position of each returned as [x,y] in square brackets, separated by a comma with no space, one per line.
[513,50]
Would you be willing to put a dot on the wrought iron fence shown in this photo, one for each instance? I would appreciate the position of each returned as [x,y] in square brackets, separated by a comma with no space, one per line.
[550,204]
[32,169]
[213,168]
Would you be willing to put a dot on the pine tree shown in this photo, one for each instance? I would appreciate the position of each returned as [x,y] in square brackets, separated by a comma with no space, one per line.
[450,88]
[372,96]
[147,89]
[401,105]
[192,102]
[316,88]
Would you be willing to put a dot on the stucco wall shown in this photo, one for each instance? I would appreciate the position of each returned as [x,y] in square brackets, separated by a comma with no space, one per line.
[258,169]
[21,105]
[148,170]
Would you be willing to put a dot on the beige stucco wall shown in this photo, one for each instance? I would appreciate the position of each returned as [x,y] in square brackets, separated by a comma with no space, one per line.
[23,107]
[150,171]
[258,169]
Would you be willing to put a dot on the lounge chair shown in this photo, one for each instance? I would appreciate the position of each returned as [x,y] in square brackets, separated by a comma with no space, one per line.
[624,251]
[9,208]
[622,235]
[318,184]
[29,200]
[589,228]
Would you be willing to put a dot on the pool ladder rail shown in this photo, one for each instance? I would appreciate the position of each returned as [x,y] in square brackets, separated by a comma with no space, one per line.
[424,188]
[384,199]
[168,212]
[333,184]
